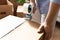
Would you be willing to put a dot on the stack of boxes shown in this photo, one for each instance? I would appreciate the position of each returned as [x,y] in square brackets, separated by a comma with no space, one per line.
[6,8]
[3,2]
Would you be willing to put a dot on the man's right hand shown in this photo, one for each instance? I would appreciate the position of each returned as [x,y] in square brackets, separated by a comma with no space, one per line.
[47,29]
[34,9]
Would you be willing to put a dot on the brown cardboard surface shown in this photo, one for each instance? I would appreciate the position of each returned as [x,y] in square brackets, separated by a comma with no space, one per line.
[20,14]
[26,31]
[3,2]
[5,10]
[19,11]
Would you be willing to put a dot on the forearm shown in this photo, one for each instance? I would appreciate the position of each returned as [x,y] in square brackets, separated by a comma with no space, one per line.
[53,9]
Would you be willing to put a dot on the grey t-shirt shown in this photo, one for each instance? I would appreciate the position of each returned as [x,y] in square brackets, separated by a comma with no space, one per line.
[55,1]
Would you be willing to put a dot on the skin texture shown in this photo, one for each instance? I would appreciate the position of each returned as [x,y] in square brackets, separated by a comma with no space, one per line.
[47,27]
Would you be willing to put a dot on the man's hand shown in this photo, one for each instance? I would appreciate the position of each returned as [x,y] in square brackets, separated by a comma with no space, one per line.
[34,9]
[34,5]
[47,29]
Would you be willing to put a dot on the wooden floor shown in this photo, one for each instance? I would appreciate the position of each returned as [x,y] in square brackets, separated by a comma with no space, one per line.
[56,35]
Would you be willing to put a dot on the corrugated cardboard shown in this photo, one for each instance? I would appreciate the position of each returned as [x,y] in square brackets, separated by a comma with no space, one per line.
[26,31]
[5,10]
[15,4]
[19,11]
[7,26]
[3,2]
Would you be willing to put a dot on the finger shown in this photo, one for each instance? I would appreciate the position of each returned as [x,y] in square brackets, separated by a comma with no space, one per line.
[34,9]
[41,29]
[46,36]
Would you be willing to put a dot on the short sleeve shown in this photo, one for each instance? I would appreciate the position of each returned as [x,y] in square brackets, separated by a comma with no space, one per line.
[55,1]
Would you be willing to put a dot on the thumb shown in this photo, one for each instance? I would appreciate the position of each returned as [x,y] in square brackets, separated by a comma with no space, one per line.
[34,9]
[41,29]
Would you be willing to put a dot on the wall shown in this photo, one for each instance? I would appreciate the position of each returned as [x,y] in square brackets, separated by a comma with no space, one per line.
[58,17]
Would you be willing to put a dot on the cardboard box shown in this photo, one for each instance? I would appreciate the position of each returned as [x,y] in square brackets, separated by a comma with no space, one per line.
[6,10]
[19,11]
[25,31]
[3,2]
[28,31]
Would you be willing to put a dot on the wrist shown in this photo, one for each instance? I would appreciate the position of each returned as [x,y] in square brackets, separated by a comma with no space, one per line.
[48,23]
